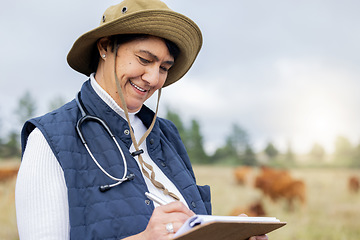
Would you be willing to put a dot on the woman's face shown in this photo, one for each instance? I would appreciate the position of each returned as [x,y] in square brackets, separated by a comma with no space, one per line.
[141,66]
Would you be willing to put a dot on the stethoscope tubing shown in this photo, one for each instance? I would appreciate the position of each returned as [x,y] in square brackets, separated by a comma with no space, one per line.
[87,117]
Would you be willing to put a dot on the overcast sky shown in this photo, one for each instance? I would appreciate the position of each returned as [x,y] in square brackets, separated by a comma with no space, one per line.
[285,71]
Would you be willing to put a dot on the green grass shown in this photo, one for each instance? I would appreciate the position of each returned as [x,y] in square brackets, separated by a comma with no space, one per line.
[8,228]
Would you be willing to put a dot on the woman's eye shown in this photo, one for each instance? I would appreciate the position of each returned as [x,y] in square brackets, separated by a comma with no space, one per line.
[143,60]
[165,69]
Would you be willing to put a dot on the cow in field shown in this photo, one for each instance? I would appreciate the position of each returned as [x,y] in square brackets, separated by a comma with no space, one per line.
[279,184]
[242,174]
[255,209]
[8,173]
[354,184]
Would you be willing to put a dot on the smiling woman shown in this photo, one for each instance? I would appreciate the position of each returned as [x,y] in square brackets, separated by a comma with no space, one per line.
[141,65]
[82,149]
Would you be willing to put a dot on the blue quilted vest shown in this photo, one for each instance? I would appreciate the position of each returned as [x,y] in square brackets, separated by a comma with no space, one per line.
[124,210]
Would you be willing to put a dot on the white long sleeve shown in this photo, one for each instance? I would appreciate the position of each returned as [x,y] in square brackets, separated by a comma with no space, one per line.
[41,199]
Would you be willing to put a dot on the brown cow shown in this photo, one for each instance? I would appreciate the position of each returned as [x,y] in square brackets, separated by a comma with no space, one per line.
[278,184]
[271,181]
[8,173]
[354,184]
[295,190]
[255,209]
[242,174]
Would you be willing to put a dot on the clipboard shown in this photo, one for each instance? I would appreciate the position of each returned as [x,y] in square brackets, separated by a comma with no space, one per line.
[229,230]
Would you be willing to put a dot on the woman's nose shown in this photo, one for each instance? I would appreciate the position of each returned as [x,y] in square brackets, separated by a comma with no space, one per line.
[151,76]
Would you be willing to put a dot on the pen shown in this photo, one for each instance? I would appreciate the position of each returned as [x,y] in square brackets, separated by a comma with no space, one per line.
[155,198]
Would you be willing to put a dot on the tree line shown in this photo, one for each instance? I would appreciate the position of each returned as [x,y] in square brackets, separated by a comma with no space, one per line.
[236,149]
[26,108]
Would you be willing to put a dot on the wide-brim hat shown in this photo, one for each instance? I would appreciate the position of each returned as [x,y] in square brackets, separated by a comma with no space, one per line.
[151,17]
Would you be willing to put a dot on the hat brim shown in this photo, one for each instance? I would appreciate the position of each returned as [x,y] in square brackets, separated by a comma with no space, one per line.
[166,24]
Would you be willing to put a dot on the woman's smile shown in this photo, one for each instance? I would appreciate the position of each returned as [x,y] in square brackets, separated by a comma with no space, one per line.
[137,87]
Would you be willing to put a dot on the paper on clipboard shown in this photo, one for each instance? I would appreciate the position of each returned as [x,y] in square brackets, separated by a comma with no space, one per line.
[210,227]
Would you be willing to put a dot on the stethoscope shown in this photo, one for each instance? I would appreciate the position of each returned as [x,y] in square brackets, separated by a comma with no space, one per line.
[86,117]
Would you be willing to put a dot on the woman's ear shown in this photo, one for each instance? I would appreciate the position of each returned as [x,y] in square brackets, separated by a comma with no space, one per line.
[103,46]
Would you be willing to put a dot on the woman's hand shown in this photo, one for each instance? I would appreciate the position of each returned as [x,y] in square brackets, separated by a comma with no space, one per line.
[175,214]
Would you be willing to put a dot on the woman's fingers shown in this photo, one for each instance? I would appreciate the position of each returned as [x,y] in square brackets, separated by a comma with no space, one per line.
[177,207]
[262,237]
[176,225]
[176,213]
[166,220]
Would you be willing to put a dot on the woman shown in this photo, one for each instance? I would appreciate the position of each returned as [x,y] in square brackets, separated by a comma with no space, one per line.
[76,181]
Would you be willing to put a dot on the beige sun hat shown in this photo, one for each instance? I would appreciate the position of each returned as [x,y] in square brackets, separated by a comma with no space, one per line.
[151,17]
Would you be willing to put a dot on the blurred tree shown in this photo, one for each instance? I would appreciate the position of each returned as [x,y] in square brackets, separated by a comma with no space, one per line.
[317,152]
[12,147]
[191,138]
[194,144]
[26,107]
[271,151]
[237,149]
[290,156]
[225,154]
[356,158]
[1,133]
[249,157]
[238,139]
[175,118]
[344,151]
[25,110]
[1,140]
[56,103]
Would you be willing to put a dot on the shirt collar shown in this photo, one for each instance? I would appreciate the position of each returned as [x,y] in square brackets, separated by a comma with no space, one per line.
[108,99]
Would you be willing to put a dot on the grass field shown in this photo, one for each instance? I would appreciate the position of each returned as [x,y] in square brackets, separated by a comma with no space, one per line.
[8,229]
[331,211]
